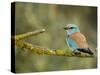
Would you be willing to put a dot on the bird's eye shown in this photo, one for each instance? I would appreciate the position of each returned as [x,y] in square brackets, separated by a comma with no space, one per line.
[71,28]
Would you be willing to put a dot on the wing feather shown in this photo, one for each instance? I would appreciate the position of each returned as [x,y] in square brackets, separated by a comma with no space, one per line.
[80,39]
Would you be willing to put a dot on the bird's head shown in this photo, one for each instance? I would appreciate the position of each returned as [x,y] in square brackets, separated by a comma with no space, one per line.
[71,28]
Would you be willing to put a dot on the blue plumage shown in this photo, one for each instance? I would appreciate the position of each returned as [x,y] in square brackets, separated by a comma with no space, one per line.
[72,44]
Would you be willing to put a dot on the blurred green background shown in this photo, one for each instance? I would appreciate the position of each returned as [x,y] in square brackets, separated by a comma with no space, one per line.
[53,17]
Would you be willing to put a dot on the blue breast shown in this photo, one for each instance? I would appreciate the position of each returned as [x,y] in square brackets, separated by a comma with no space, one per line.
[72,43]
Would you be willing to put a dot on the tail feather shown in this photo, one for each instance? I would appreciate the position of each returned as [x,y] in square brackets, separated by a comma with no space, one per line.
[86,51]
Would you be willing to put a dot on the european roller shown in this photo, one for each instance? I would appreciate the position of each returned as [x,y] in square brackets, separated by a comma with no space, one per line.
[76,40]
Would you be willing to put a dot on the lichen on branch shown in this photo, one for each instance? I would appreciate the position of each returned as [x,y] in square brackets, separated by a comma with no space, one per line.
[45,51]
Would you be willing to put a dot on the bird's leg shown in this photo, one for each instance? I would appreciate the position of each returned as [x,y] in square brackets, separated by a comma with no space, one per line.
[75,52]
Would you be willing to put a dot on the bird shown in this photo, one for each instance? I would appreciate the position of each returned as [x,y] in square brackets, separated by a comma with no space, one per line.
[76,40]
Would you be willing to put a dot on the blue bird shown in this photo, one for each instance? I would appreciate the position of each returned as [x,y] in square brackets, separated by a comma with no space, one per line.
[76,40]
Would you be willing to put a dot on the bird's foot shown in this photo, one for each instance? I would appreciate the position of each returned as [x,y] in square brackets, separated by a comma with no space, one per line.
[76,53]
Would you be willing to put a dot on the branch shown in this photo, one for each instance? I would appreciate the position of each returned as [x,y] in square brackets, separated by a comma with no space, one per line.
[46,51]
[25,35]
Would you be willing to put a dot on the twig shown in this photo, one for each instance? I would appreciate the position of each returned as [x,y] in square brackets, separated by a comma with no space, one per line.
[25,35]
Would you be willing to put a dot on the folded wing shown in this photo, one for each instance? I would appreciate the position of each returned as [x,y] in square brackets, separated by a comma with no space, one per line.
[80,39]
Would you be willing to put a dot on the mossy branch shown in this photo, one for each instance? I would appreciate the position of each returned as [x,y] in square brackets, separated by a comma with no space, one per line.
[39,50]
[46,51]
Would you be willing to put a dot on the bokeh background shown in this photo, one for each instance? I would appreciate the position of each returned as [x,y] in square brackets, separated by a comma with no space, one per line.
[53,17]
